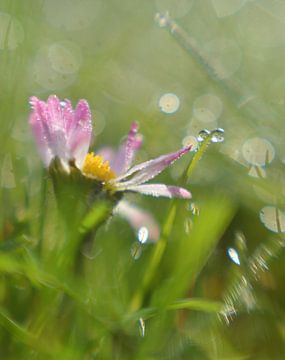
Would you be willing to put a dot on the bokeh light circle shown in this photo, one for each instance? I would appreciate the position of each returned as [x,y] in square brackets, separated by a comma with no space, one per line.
[169,103]
[258,151]
[207,108]
[273,218]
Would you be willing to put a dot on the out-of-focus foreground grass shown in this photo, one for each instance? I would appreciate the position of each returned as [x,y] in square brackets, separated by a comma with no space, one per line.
[212,287]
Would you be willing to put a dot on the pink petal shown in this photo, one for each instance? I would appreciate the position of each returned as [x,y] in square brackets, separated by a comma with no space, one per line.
[56,126]
[133,143]
[108,154]
[68,115]
[138,218]
[118,160]
[149,169]
[161,190]
[126,153]
[80,133]
[56,121]
[39,129]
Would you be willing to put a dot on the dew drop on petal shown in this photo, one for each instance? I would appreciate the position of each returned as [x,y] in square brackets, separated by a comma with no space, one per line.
[207,108]
[190,140]
[11,32]
[258,151]
[273,218]
[136,250]
[169,103]
[143,234]
[203,134]
[233,255]
[217,135]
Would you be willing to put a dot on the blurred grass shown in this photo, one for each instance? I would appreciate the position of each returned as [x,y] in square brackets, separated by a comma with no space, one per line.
[178,293]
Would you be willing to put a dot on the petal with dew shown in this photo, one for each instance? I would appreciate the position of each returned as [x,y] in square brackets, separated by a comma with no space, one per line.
[149,169]
[133,143]
[68,115]
[138,218]
[55,123]
[39,130]
[126,153]
[117,163]
[161,190]
[55,119]
[80,133]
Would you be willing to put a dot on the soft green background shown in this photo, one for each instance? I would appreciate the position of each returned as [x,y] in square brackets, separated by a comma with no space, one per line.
[171,302]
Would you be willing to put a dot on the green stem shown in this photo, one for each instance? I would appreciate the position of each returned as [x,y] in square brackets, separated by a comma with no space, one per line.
[196,158]
[137,300]
[159,249]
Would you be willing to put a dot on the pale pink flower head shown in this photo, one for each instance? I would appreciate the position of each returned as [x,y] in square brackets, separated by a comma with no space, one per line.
[65,134]
[61,132]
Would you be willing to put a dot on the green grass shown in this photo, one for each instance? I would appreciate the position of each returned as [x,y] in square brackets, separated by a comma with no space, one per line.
[69,287]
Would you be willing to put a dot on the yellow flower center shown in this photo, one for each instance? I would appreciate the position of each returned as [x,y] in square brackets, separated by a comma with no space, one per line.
[95,167]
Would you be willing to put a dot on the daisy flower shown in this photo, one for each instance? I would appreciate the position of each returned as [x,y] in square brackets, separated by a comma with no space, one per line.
[65,134]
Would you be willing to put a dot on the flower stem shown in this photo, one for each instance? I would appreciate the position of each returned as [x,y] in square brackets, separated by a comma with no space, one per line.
[159,249]
[137,300]
[196,158]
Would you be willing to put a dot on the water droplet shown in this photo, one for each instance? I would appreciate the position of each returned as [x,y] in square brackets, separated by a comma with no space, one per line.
[273,218]
[190,140]
[169,103]
[194,209]
[228,312]
[142,327]
[161,19]
[62,103]
[203,134]
[136,250]
[143,234]
[258,151]
[233,255]
[217,135]
[207,108]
